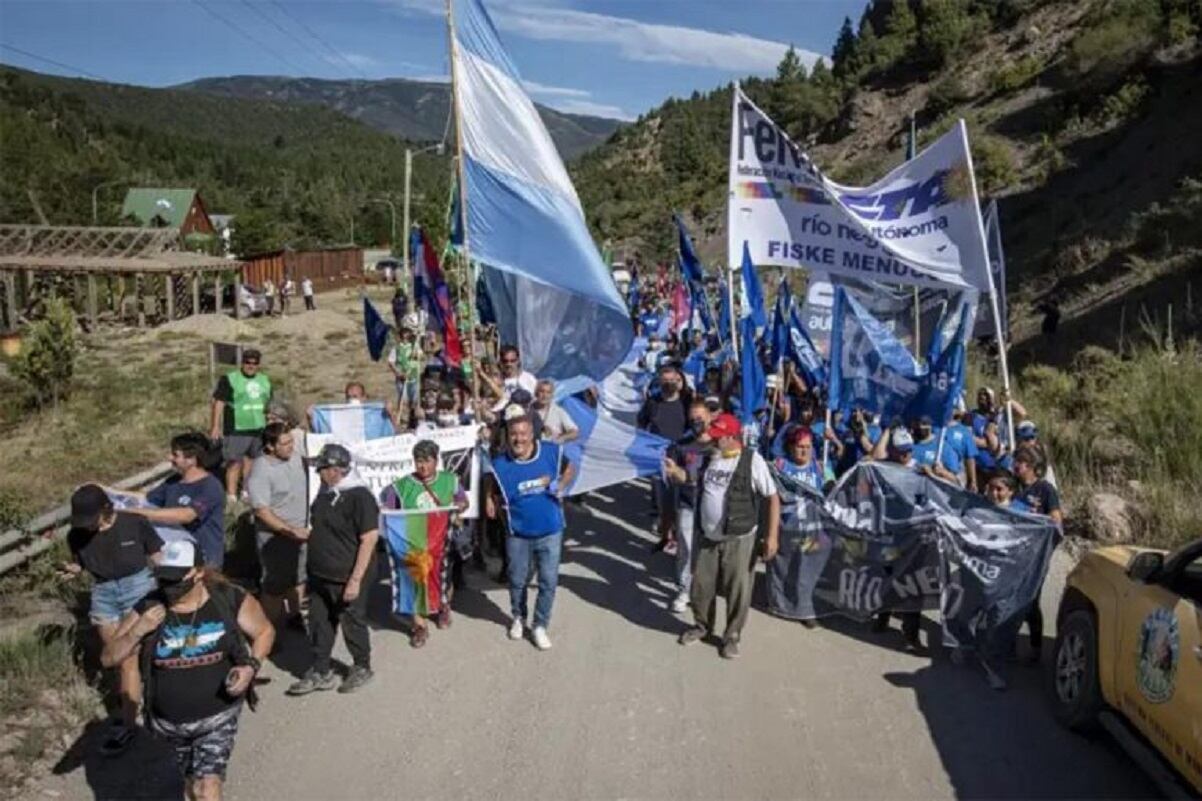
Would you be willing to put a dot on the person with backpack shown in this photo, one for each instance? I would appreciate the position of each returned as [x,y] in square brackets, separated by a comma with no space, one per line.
[200,641]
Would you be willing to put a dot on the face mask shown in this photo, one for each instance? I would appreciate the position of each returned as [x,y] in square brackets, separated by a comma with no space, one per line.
[697,425]
[173,591]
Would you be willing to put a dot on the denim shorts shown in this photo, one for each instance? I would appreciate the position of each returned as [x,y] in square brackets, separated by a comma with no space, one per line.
[113,599]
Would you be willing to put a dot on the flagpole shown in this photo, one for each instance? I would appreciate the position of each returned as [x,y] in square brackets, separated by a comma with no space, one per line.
[997,320]
[730,270]
[912,152]
[467,251]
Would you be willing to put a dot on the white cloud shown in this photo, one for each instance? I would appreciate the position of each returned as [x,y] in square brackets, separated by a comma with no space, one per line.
[632,39]
[359,60]
[591,109]
[542,89]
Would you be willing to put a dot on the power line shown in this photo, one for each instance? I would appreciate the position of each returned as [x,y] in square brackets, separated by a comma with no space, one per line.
[253,39]
[304,47]
[318,39]
[51,61]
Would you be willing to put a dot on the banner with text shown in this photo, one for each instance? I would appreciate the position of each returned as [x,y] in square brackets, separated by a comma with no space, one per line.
[379,462]
[920,224]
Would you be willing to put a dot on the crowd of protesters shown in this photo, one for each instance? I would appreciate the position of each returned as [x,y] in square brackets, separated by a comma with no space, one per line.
[187,643]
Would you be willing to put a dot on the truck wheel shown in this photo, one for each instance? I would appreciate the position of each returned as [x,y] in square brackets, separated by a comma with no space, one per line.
[1076,696]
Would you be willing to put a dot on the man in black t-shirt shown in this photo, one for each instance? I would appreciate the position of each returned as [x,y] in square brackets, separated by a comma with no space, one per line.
[1035,491]
[343,530]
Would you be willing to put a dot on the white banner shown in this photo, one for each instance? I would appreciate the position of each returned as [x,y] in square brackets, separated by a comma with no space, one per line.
[380,462]
[920,224]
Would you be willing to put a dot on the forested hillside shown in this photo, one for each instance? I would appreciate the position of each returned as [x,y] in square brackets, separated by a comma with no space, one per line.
[293,174]
[1085,118]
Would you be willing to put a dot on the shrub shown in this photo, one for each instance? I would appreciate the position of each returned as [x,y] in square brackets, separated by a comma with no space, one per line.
[47,360]
[945,93]
[1114,41]
[994,161]
[1122,104]
[1016,75]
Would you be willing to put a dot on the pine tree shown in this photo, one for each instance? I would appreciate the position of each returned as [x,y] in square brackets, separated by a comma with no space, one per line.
[943,30]
[844,53]
[790,67]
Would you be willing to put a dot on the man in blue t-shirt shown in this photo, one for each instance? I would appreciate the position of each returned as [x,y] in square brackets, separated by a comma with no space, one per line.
[193,498]
[531,482]
[926,449]
[958,438]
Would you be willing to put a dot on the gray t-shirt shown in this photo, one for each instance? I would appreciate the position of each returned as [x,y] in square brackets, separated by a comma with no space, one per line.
[280,486]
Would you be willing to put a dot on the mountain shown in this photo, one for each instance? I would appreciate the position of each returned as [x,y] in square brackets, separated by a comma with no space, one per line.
[413,110]
[1085,120]
[291,173]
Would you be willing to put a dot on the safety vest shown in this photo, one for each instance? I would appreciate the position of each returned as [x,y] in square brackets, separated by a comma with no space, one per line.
[250,400]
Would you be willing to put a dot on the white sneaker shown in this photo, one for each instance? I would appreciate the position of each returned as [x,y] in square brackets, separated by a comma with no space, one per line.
[541,641]
[680,603]
[516,629]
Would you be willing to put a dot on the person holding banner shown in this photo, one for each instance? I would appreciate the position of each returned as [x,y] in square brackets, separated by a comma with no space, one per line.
[531,477]
[897,446]
[421,565]
[736,485]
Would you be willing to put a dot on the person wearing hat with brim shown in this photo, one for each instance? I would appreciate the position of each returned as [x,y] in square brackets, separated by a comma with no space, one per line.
[199,641]
[117,549]
[340,566]
[738,492]
[238,415]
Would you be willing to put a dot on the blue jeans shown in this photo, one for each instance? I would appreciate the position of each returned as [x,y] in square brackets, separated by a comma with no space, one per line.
[114,599]
[544,552]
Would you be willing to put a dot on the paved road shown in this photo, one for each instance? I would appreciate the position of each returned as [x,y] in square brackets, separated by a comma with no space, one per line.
[618,709]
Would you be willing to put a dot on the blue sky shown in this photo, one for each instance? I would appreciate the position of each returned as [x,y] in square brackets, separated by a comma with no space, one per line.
[615,58]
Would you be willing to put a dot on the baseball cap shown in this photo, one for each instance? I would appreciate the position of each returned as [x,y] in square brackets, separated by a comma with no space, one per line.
[251,355]
[332,455]
[901,441]
[87,504]
[724,425]
[1026,430]
[176,559]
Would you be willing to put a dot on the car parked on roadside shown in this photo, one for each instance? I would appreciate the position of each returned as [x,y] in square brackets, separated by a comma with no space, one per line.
[1128,653]
[252,300]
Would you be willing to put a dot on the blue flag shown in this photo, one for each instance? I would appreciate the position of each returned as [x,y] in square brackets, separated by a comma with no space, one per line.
[754,385]
[375,329]
[690,265]
[753,293]
[946,361]
[870,368]
[805,357]
[778,338]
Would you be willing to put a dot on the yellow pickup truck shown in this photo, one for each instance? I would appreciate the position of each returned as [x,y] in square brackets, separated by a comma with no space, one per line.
[1129,643]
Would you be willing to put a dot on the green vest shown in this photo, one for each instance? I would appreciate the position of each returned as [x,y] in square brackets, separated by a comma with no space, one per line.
[250,400]
[414,495]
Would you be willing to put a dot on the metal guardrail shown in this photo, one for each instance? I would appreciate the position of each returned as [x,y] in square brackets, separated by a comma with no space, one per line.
[18,546]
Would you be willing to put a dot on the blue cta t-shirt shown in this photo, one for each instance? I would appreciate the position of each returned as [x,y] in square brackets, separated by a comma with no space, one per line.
[529,491]
[205,497]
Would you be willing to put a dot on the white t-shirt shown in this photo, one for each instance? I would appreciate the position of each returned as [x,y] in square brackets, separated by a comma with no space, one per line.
[306,287]
[717,478]
[522,380]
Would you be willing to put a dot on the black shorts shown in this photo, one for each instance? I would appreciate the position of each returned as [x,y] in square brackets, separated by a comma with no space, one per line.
[202,747]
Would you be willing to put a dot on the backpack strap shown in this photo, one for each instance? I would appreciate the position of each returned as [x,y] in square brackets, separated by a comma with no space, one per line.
[227,600]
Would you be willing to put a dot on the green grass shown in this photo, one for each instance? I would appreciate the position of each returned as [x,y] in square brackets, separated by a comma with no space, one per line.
[1130,425]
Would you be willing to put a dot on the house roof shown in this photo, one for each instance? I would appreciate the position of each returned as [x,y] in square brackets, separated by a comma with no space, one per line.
[146,203]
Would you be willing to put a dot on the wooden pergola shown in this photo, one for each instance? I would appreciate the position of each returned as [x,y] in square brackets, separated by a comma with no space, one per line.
[40,261]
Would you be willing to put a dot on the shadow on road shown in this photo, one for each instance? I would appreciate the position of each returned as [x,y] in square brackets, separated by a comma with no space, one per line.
[146,771]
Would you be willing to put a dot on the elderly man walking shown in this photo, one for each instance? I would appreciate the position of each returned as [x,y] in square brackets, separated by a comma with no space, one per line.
[735,484]
[530,477]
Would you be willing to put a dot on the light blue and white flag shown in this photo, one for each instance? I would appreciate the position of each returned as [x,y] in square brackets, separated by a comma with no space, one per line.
[609,451]
[622,392]
[352,422]
[553,293]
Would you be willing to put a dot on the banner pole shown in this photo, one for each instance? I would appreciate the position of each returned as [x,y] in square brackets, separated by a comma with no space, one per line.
[993,302]
[735,91]
[467,251]
[826,443]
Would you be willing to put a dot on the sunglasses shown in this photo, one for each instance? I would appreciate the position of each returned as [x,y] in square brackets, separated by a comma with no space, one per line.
[509,361]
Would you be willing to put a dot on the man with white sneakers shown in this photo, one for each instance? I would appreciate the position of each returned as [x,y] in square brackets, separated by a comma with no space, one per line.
[530,478]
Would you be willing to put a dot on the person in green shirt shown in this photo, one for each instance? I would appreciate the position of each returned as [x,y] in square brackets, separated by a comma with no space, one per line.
[426,561]
[405,360]
[238,416]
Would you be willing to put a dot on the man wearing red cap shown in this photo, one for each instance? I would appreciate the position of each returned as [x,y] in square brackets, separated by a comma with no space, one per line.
[735,483]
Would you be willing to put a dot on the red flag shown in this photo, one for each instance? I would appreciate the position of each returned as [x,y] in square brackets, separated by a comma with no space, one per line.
[430,290]
[682,309]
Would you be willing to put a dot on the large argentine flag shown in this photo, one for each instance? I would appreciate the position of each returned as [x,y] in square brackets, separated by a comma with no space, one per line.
[609,451]
[553,294]
[352,422]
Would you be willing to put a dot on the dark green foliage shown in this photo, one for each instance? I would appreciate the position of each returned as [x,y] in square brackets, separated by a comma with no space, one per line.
[299,172]
[48,353]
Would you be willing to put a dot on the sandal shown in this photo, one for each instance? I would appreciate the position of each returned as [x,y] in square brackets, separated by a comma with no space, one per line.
[418,637]
[443,621]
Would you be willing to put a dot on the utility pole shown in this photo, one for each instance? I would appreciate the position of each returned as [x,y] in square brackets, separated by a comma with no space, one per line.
[409,154]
